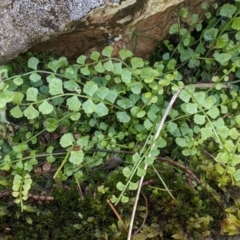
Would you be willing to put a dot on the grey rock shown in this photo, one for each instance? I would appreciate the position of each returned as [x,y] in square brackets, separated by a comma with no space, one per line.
[27,22]
[111,163]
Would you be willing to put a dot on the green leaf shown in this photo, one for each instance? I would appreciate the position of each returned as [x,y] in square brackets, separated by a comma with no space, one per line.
[186,54]
[108,66]
[171,64]
[137,63]
[222,58]
[7,163]
[55,86]
[71,73]
[229,145]
[134,98]
[18,81]
[114,199]
[166,56]
[90,88]
[141,114]
[223,132]
[18,97]
[81,59]
[199,119]
[45,107]
[120,186]
[154,153]
[124,199]
[107,51]
[3,73]
[75,116]
[127,172]
[193,63]
[73,103]
[17,201]
[224,109]
[133,186]
[149,160]
[15,194]
[222,157]
[219,123]
[4,183]
[210,34]
[233,133]
[76,157]
[183,12]
[172,126]
[236,175]
[206,132]
[34,77]
[124,53]
[85,71]
[141,172]
[184,96]
[135,110]
[200,97]
[111,96]
[125,103]
[148,73]
[33,62]
[30,113]
[222,41]
[161,143]
[227,10]
[101,109]
[208,102]
[67,140]
[213,112]
[191,108]
[17,182]
[51,124]
[117,68]
[205,5]
[123,117]
[181,142]
[102,92]
[5,97]
[71,85]
[186,41]
[198,29]
[148,124]
[32,94]
[83,141]
[51,158]
[136,88]
[99,67]
[16,112]
[89,106]
[183,32]
[95,55]
[236,23]
[126,76]
[56,64]
[174,28]
[29,220]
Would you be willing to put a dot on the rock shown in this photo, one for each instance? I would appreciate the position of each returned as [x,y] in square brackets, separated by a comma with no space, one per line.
[74,27]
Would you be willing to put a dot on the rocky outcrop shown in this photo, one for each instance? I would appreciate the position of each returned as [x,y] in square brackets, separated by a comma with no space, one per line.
[74,27]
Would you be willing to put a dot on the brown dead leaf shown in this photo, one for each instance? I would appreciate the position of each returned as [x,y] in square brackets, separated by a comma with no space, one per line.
[37,169]
[46,166]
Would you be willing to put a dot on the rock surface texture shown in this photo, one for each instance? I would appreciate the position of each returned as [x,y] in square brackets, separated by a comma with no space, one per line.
[74,27]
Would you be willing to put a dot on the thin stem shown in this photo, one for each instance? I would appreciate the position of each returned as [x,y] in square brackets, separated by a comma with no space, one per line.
[146,165]
[62,164]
